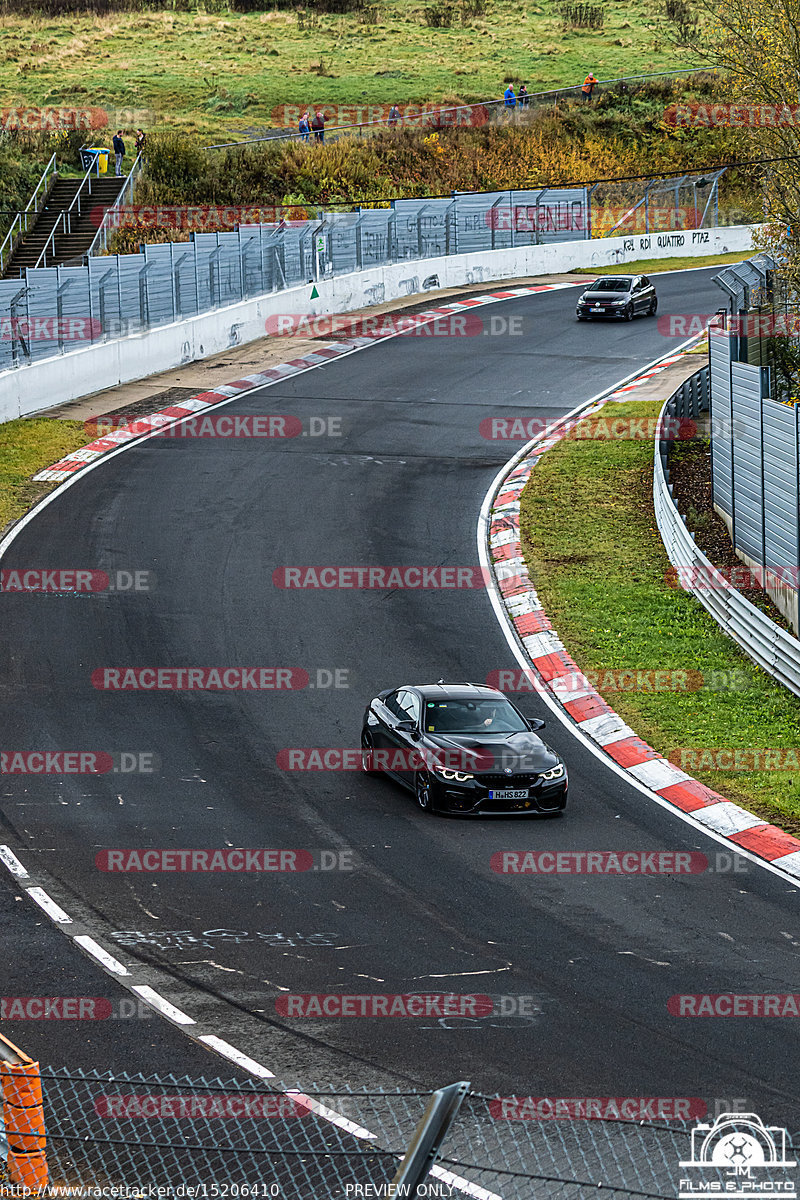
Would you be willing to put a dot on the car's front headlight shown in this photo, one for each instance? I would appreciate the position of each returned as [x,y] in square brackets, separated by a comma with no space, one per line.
[619,301]
[458,776]
[556,772]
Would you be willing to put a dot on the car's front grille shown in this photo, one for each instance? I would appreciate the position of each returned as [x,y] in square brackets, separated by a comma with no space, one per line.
[508,781]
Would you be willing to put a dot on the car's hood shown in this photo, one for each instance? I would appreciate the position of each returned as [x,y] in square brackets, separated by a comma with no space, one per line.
[487,752]
[605,295]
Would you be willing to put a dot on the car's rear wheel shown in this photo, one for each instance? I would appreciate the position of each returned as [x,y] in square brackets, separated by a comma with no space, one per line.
[627,312]
[422,791]
[367,759]
[653,306]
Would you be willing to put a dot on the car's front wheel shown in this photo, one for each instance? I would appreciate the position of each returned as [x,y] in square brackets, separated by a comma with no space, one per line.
[627,312]
[422,791]
[653,306]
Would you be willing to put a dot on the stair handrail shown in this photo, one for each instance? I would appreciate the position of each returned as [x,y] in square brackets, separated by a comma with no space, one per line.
[100,240]
[65,218]
[59,221]
[19,226]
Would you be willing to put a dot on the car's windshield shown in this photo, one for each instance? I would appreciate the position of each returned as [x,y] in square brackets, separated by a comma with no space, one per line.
[621,284]
[472,716]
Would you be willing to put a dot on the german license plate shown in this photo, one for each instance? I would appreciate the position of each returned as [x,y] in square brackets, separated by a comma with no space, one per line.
[509,794]
[598,308]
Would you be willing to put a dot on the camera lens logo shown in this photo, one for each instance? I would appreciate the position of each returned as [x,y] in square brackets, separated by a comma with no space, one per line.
[739,1156]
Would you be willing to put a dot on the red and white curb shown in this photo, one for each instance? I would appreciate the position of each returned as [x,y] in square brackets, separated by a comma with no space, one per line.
[141,427]
[560,678]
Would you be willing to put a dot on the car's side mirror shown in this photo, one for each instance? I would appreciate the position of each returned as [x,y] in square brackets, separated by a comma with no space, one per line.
[535,723]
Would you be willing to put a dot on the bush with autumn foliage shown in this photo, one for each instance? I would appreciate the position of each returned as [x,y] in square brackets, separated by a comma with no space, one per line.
[624,134]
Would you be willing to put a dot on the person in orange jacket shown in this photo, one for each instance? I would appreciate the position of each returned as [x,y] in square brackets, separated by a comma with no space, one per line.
[588,84]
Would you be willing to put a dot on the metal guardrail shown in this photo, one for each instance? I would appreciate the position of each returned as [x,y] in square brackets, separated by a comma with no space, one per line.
[21,222]
[771,647]
[100,241]
[529,100]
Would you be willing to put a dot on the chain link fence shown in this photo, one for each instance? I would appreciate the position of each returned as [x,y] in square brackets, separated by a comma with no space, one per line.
[235,1138]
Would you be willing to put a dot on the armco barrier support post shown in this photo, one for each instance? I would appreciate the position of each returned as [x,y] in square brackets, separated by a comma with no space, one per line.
[440,1112]
[23,1115]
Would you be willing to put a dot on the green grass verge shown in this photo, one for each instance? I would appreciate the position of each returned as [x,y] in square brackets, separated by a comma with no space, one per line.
[218,71]
[653,266]
[28,446]
[595,554]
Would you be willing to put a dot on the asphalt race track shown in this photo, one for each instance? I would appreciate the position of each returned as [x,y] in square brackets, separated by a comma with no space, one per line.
[595,957]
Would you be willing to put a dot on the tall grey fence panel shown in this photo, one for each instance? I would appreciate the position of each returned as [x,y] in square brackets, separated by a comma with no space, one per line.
[781,548]
[41,304]
[207,271]
[230,268]
[484,222]
[749,385]
[184,279]
[158,280]
[376,232]
[719,347]
[166,282]
[12,307]
[769,645]
[292,258]
[342,243]
[522,217]
[423,228]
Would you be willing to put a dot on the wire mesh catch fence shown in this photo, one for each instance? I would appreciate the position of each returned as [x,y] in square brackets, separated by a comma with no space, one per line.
[239,1139]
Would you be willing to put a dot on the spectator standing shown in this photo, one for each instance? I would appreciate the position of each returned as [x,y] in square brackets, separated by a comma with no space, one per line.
[318,125]
[304,127]
[588,85]
[509,97]
[523,96]
[119,151]
[141,141]
[394,116]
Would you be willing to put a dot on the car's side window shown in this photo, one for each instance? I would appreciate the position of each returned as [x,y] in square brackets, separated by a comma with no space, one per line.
[637,285]
[393,704]
[410,706]
[645,281]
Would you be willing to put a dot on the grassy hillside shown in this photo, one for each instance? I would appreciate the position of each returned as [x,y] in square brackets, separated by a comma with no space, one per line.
[224,73]
[621,135]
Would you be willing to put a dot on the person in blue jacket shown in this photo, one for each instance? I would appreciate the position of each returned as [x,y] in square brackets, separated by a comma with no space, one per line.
[509,97]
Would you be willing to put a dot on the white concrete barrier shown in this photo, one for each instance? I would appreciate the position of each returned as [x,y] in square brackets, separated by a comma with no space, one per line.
[52,381]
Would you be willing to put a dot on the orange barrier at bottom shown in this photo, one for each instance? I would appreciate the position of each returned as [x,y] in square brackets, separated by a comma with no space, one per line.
[23,1115]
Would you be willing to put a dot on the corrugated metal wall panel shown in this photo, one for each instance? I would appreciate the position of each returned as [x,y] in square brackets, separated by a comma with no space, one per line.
[748,384]
[780,485]
[721,448]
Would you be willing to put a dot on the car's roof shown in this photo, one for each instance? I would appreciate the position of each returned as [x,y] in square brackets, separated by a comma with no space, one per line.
[456,691]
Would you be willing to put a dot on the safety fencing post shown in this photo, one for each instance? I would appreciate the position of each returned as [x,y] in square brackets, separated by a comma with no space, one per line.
[23,1117]
[440,1113]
